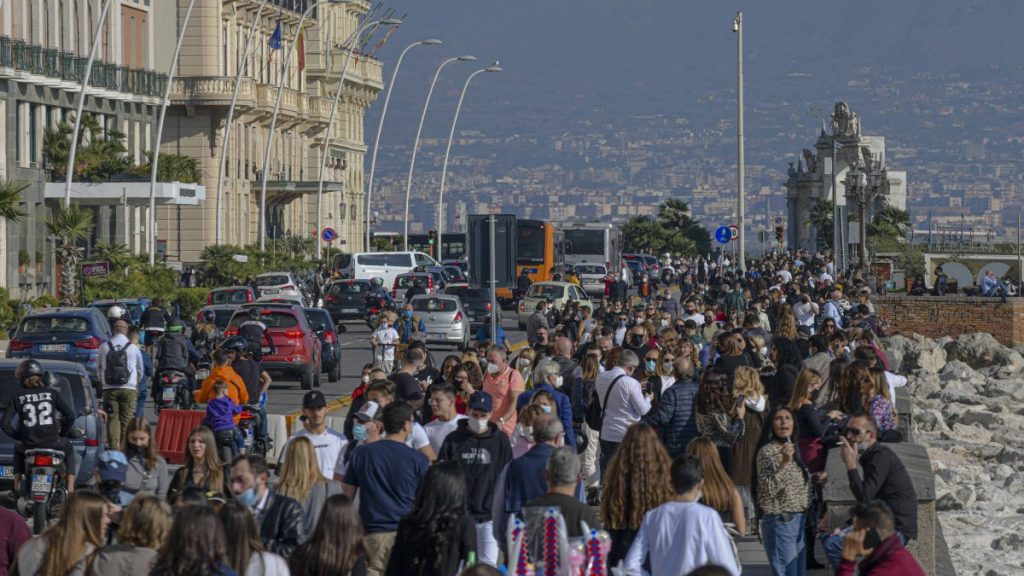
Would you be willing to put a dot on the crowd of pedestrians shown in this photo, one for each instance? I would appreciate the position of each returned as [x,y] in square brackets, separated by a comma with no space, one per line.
[677,423]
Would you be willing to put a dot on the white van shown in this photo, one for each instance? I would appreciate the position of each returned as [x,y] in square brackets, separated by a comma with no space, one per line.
[385,265]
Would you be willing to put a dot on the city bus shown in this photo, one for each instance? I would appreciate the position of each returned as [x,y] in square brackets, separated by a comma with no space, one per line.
[593,243]
[453,245]
[538,250]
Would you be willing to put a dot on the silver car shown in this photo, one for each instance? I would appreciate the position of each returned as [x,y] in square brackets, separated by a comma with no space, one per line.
[592,278]
[444,317]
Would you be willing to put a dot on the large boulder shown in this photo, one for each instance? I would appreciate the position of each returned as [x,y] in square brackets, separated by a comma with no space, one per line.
[925,355]
[981,350]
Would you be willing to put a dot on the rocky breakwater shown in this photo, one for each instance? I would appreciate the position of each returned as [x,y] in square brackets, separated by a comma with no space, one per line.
[968,396]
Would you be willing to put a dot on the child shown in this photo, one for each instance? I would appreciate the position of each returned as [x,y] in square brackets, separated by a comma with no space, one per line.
[384,340]
[220,412]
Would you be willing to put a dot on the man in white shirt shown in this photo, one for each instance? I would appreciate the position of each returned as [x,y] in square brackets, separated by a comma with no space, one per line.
[682,534]
[805,310]
[442,405]
[690,312]
[328,444]
[622,403]
[384,339]
[120,369]
[832,309]
[383,393]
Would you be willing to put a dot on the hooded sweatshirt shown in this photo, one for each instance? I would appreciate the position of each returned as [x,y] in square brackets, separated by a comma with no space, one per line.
[482,457]
[236,387]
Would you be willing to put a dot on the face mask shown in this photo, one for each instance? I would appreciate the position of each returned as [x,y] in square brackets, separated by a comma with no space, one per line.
[249,497]
[366,378]
[478,426]
[636,339]
[408,313]
[134,450]
[545,408]
[764,350]
[359,432]
[523,363]
[558,381]
[664,323]
[652,365]
[492,369]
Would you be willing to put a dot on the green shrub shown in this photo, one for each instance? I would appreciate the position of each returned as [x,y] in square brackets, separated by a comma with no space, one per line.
[190,300]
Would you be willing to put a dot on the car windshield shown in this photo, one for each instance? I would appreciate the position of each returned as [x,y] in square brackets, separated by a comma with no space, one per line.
[409,281]
[318,318]
[434,305]
[350,288]
[222,317]
[134,310]
[467,293]
[271,318]
[235,296]
[275,280]
[590,269]
[546,291]
[54,324]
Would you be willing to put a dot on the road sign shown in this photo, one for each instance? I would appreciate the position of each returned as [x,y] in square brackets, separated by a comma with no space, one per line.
[90,269]
[734,232]
[328,234]
[723,235]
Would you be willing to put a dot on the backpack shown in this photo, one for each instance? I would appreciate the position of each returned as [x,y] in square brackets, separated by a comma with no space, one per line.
[595,409]
[116,372]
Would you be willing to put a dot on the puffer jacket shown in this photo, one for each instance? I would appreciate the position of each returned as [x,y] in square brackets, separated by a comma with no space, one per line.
[281,527]
[675,416]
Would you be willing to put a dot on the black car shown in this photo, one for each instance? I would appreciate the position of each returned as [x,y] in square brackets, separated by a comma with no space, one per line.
[330,359]
[77,388]
[346,299]
[475,301]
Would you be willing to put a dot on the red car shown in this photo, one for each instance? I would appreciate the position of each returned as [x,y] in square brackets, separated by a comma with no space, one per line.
[296,347]
[231,295]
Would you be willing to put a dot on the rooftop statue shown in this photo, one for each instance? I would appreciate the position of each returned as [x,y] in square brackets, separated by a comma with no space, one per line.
[845,124]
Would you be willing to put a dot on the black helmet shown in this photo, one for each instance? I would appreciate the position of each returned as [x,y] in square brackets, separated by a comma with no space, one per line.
[254,312]
[209,316]
[236,343]
[29,368]
[50,380]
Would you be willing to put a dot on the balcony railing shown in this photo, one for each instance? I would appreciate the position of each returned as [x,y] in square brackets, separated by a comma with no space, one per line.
[66,66]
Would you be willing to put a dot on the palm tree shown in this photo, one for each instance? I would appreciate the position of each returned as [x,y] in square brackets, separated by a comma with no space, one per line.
[894,217]
[11,204]
[72,225]
[821,218]
[116,254]
[674,214]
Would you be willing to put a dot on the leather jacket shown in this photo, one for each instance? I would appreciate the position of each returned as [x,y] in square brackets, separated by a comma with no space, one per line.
[281,528]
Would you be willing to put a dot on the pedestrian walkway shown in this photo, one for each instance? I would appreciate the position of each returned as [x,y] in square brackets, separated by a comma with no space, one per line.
[755,561]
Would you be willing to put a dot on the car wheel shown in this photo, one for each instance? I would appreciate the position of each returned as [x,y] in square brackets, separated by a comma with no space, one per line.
[307,379]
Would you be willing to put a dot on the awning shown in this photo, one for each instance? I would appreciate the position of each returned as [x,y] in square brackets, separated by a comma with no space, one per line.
[135,193]
[285,191]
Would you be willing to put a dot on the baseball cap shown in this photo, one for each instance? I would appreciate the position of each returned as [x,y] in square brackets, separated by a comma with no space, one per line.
[113,466]
[481,401]
[313,399]
[368,411]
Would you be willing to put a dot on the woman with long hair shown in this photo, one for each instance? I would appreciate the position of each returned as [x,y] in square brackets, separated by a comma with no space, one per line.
[733,355]
[663,377]
[747,388]
[145,525]
[809,419]
[788,362]
[719,417]
[450,361]
[196,546]
[849,396]
[875,398]
[687,349]
[637,481]
[719,491]
[439,533]
[64,548]
[336,546]
[782,493]
[246,554]
[522,436]
[147,470]
[202,467]
[787,324]
[301,479]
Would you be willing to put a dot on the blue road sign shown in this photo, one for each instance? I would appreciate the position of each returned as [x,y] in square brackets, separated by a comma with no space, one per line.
[328,234]
[723,235]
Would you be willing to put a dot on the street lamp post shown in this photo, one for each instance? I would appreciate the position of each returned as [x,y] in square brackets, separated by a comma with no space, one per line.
[155,161]
[334,110]
[273,117]
[380,126]
[864,187]
[416,144]
[737,27]
[444,167]
[226,135]
[70,174]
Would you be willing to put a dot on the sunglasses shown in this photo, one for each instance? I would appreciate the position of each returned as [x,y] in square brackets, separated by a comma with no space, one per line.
[854,431]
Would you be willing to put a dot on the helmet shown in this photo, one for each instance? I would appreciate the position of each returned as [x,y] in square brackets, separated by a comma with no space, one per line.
[254,313]
[236,343]
[175,325]
[115,312]
[378,281]
[29,368]
[209,316]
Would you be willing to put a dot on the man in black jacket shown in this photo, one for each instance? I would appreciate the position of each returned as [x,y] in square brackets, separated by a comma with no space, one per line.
[483,451]
[885,479]
[279,517]
[675,414]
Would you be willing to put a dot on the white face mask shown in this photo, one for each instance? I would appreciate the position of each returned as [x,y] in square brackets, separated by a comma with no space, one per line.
[493,369]
[558,381]
[523,363]
[478,426]
[764,350]
[664,323]
[366,378]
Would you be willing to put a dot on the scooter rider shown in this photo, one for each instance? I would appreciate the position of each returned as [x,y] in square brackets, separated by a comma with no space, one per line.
[45,420]
[257,381]
[115,313]
[154,321]
[205,333]
[255,332]
[377,289]
[173,351]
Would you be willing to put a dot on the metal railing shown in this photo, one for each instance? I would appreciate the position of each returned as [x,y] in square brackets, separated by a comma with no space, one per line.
[66,66]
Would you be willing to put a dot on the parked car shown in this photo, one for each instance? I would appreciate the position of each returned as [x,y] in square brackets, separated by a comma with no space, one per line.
[222,314]
[592,278]
[231,295]
[134,306]
[330,345]
[278,284]
[558,292]
[68,334]
[456,273]
[384,265]
[346,299]
[446,321]
[405,281]
[476,302]
[297,346]
[76,386]
[638,268]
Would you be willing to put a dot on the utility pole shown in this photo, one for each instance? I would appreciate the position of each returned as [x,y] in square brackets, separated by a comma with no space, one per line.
[737,27]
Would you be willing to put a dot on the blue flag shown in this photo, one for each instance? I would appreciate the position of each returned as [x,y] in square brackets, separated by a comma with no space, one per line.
[275,38]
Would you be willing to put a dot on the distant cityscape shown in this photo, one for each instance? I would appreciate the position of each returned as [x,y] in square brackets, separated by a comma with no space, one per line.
[960,142]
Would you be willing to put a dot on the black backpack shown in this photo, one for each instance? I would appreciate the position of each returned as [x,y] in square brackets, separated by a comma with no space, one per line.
[116,371]
[595,408]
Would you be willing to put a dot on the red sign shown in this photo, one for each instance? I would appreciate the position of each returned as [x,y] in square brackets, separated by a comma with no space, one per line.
[90,269]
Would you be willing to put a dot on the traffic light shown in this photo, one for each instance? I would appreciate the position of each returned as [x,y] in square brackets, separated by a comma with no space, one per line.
[431,237]
[779,232]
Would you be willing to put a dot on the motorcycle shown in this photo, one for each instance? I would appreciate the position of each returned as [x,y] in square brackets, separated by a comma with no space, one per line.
[375,306]
[203,365]
[174,393]
[43,489]
[254,444]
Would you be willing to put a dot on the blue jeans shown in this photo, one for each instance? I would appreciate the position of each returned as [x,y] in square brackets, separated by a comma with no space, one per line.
[833,545]
[783,537]
[140,404]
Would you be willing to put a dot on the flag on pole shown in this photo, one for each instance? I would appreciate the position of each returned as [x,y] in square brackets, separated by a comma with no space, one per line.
[302,51]
[275,38]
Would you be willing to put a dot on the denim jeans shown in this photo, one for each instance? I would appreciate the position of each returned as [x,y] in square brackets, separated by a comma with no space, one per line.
[140,404]
[833,545]
[608,449]
[783,537]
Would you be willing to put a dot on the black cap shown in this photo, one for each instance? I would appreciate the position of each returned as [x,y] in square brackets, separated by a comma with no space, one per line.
[313,400]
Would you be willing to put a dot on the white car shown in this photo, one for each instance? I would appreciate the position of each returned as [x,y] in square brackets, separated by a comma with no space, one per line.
[278,285]
[592,278]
